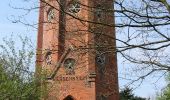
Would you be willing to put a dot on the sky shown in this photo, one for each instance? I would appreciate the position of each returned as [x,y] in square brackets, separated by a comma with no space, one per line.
[7,16]
[7,27]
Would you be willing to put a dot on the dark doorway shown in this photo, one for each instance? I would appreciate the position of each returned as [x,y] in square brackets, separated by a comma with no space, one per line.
[69,98]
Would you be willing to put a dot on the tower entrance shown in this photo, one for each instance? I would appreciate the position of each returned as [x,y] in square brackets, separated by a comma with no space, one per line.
[69,98]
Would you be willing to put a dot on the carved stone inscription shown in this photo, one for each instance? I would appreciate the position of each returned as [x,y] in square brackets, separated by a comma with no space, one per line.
[70,78]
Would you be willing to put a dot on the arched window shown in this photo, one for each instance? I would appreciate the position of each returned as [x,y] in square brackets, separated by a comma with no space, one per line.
[99,11]
[50,14]
[69,98]
[48,58]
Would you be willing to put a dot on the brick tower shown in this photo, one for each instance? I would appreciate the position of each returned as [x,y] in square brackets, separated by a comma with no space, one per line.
[76,49]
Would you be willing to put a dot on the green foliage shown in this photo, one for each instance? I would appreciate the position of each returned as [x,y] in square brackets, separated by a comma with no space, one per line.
[14,88]
[17,80]
[165,95]
[126,94]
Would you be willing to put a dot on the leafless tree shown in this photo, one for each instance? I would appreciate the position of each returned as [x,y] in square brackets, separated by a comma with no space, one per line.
[142,34]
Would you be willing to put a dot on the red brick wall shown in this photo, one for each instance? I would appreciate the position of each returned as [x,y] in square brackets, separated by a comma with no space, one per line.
[58,36]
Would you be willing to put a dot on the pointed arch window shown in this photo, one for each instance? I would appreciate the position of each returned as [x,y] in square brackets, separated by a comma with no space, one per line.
[99,11]
[48,58]
[50,14]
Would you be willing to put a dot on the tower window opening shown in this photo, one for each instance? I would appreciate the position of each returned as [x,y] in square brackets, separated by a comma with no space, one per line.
[48,58]
[99,11]
[50,15]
